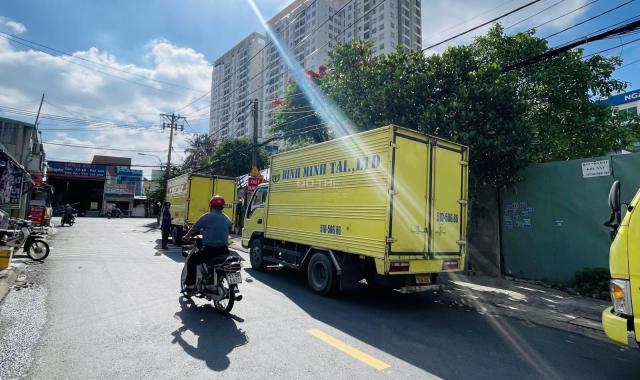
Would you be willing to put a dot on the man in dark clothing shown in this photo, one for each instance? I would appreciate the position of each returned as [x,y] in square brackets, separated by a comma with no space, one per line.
[214,227]
[165,227]
[68,213]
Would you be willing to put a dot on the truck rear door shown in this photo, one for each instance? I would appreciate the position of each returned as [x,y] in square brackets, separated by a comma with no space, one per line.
[410,181]
[448,200]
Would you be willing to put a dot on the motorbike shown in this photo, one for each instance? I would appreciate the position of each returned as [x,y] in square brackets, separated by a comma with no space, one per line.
[114,213]
[22,234]
[217,282]
[68,219]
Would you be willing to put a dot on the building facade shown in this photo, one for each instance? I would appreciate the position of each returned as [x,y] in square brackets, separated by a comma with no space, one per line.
[236,79]
[387,24]
[24,159]
[94,189]
[627,103]
[308,30]
[303,30]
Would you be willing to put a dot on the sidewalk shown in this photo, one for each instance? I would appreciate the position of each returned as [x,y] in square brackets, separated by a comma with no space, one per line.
[8,276]
[526,301]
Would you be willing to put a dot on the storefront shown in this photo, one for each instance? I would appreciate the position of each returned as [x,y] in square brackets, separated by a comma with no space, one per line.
[78,184]
[12,178]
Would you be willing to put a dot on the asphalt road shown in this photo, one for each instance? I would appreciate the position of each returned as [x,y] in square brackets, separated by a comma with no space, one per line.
[105,304]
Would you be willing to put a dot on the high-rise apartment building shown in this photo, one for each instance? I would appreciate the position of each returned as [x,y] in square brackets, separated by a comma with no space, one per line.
[308,30]
[236,80]
[386,23]
[303,30]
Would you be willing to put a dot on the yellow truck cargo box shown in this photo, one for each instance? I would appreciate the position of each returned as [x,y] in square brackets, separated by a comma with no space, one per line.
[386,193]
[189,195]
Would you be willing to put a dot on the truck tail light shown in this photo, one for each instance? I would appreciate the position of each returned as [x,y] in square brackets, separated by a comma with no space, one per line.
[402,266]
[620,291]
[450,265]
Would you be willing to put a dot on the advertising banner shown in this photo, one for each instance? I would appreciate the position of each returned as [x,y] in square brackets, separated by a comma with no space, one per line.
[119,189]
[76,170]
[16,191]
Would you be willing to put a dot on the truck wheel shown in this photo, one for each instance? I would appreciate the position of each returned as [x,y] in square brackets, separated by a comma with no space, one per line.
[255,255]
[321,275]
[176,235]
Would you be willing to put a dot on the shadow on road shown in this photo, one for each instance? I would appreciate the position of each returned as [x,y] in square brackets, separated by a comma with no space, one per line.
[173,252]
[217,335]
[453,341]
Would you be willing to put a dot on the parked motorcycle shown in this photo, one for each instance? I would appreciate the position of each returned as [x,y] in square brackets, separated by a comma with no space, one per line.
[215,282]
[21,234]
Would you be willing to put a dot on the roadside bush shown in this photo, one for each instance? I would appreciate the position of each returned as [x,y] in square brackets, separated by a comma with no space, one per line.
[592,282]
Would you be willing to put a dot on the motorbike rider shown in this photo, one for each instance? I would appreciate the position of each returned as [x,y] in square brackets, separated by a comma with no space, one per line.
[214,227]
[68,213]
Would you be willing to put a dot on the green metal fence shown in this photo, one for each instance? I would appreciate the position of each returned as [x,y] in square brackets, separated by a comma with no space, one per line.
[552,221]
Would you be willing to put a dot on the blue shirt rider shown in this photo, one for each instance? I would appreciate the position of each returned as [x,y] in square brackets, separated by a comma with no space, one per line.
[215,227]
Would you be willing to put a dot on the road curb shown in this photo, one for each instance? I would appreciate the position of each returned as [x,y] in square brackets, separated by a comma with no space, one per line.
[8,277]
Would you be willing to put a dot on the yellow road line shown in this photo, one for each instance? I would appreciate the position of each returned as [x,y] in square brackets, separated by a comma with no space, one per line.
[347,349]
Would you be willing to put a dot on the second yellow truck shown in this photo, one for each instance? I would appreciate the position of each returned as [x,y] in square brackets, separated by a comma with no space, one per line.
[387,205]
[189,195]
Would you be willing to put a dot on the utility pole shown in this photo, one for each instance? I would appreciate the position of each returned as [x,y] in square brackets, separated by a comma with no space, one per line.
[254,149]
[38,114]
[171,123]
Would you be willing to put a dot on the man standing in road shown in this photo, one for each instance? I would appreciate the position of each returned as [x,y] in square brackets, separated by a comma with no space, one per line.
[215,239]
[165,227]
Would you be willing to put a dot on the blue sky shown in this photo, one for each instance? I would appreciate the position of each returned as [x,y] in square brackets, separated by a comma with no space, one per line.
[175,42]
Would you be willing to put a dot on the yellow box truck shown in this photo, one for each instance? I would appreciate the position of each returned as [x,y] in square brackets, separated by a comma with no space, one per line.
[388,205]
[189,195]
[621,321]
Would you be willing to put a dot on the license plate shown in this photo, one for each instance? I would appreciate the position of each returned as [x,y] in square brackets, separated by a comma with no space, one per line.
[234,278]
[423,279]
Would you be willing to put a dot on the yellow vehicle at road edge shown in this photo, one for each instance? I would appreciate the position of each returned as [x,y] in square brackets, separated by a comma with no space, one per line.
[388,205]
[621,321]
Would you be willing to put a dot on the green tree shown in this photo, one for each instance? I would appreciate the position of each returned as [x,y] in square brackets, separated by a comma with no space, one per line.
[295,117]
[159,194]
[199,151]
[546,111]
[232,157]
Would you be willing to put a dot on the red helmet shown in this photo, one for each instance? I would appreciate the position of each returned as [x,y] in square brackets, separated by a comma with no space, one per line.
[216,202]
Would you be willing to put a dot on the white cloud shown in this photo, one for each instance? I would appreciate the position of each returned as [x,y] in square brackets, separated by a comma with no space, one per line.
[10,25]
[442,18]
[79,89]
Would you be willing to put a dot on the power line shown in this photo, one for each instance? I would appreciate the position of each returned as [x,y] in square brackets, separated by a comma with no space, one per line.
[62,52]
[535,14]
[565,14]
[88,67]
[611,48]
[133,165]
[628,64]
[76,121]
[101,147]
[483,24]
[589,19]
[566,47]
[453,27]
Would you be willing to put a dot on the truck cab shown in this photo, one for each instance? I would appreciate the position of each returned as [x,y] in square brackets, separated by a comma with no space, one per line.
[254,217]
[621,321]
